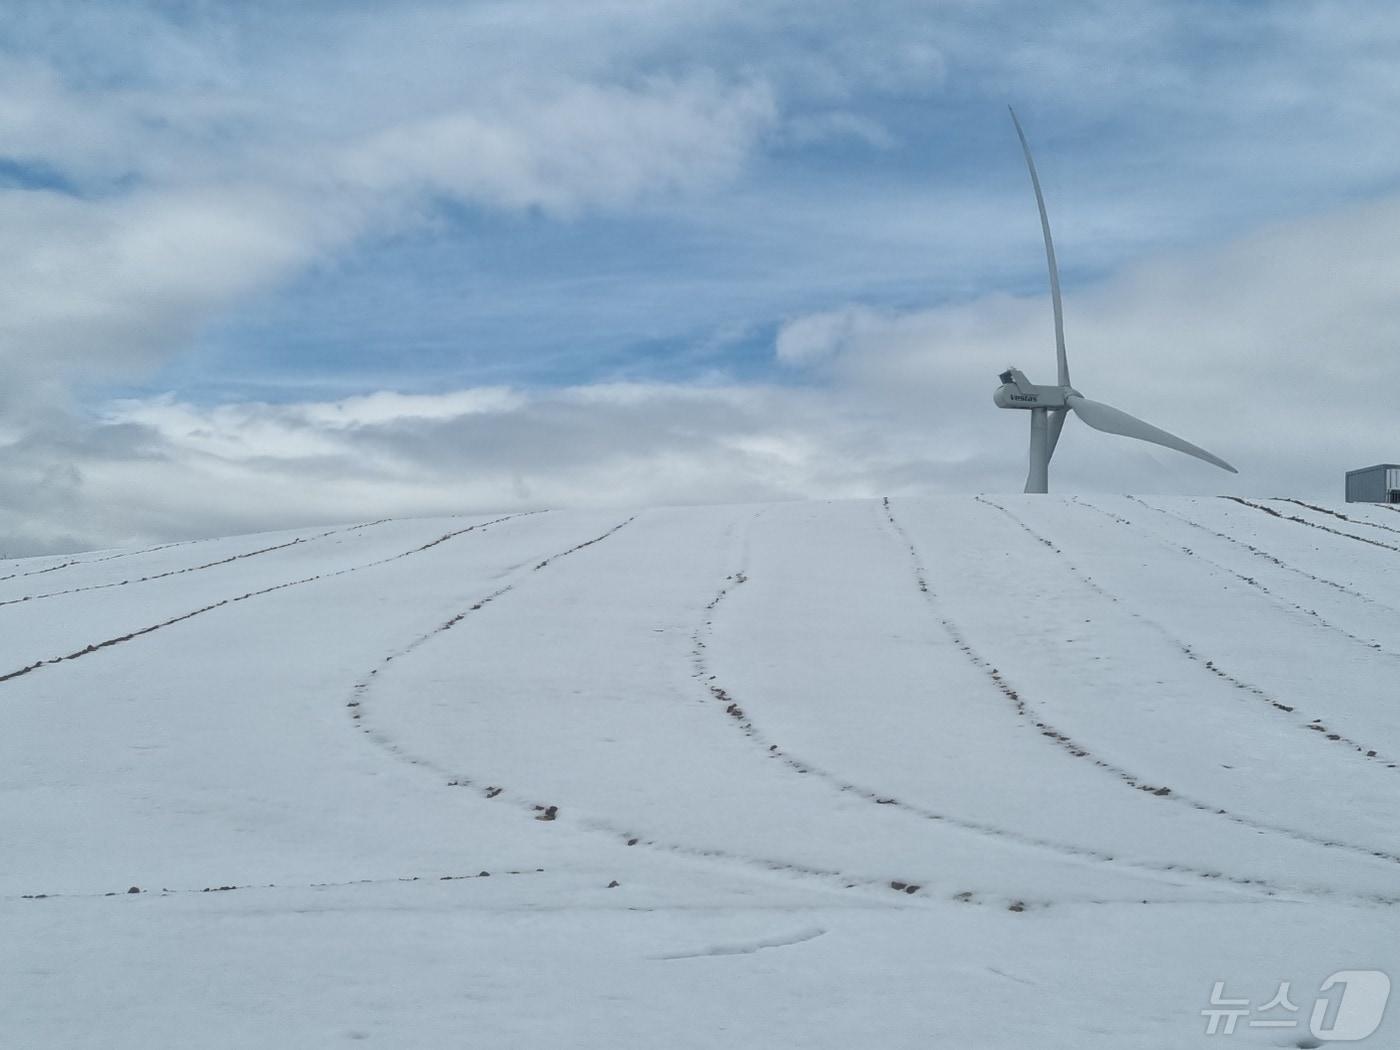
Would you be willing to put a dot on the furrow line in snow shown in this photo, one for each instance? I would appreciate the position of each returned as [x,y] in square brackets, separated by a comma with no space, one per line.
[97,561]
[1310,524]
[165,891]
[748,947]
[1313,616]
[745,724]
[1314,725]
[362,686]
[1273,559]
[1345,517]
[549,811]
[1078,750]
[191,568]
[120,639]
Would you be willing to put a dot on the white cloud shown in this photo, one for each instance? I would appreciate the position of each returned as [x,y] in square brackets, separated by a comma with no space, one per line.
[161,467]
[821,337]
[172,181]
[93,288]
[834,125]
[390,407]
[587,145]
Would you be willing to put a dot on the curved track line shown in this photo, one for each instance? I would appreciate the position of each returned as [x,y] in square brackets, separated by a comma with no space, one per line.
[628,835]
[751,947]
[96,561]
[1315,618]
[165,891]
[99,646]
[362,686]
[983,829]
[192,568]
[1314,725]
[1311,524]
[1267,556]
[1073,747]
[1349,520]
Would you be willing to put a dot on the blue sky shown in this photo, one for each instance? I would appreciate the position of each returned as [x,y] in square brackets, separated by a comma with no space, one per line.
[259,257]
[855,195]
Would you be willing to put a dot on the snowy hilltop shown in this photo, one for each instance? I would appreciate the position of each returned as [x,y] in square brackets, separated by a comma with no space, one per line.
[960,771]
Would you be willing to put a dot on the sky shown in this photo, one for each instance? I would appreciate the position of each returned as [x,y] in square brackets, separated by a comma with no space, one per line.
[266,265]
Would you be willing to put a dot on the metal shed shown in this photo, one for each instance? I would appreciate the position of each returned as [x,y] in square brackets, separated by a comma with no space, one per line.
[1378,484]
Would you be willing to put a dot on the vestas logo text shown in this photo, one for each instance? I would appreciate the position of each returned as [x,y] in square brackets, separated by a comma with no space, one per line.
[1025,397]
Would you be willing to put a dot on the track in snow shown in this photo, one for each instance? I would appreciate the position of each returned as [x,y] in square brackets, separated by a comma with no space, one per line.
[96,647]
[738,706]
[180,572]
[1080,750]
[742,717]
[549,810]
[1313,725]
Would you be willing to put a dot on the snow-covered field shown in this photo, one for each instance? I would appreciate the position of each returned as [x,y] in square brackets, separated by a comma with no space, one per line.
[975,772]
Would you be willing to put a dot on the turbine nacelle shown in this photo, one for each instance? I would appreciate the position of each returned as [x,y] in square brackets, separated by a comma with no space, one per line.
[1016,391]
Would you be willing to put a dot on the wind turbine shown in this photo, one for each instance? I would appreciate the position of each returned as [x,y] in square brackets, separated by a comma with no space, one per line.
[1049,404]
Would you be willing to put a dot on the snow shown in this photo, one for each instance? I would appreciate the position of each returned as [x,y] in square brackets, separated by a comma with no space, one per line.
[982,772]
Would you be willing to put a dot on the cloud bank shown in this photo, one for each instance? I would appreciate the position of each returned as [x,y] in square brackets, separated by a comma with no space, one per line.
[542,254]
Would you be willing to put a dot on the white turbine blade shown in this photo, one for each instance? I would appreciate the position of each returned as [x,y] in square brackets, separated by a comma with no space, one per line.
[1057,423]
[1049,257]
[1112,421]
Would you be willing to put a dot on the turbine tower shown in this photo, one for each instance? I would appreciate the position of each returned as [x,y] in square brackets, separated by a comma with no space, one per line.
[1049,404]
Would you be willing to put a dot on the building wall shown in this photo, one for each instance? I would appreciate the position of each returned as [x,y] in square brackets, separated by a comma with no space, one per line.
[1373,484]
